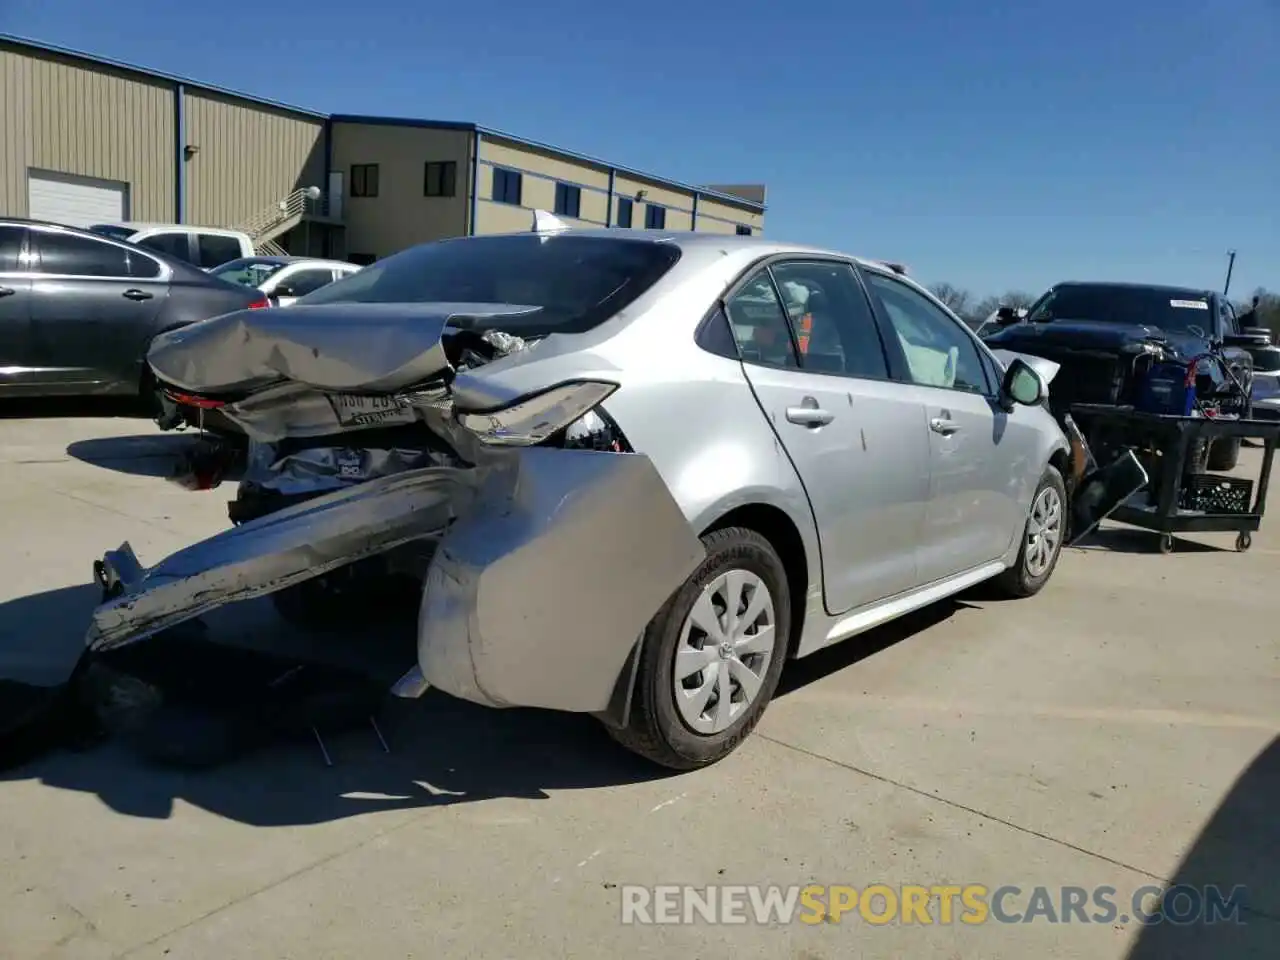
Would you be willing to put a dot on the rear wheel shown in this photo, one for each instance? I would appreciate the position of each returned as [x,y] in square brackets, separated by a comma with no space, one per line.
[1041,539]
[711,658]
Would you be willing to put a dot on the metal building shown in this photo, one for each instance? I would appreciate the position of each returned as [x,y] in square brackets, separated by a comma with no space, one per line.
[85,140]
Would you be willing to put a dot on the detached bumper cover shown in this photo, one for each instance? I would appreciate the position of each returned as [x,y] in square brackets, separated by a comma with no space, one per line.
[549,565]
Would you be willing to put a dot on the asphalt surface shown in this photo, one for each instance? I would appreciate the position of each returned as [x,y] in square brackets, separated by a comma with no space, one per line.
[1122,729]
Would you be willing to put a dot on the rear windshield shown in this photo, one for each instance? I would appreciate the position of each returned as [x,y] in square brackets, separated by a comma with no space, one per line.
[1175,311]
[247,273]
[115,233]
[578,282]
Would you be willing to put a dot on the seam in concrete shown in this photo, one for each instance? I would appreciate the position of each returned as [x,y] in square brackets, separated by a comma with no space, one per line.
[992,818]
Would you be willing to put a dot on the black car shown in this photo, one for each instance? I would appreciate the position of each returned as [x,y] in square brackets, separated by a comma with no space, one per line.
[78,311]
[1106,336]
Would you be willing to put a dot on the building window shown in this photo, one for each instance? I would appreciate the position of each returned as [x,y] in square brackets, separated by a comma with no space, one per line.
[568,200]
[507,186]
[364,180]
[742,231]
[624,212]
[440,178]
[655,217]
[361,259]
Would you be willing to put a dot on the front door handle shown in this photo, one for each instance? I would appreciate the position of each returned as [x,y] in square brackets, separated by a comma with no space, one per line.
[807,416]
[7,291]
[943,426]
[135,294]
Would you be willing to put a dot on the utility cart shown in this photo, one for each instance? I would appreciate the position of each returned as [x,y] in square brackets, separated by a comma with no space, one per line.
[1181,496]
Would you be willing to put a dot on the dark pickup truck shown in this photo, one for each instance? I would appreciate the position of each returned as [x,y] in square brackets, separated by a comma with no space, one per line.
[1107,336]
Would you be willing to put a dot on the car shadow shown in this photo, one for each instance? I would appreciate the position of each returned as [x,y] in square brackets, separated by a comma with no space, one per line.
[439,750]
[1133,540]
[163,456]
[839,656]
[1239,847]
[66,407]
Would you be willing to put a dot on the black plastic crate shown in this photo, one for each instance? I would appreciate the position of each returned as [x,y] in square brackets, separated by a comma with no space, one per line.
[1215,493]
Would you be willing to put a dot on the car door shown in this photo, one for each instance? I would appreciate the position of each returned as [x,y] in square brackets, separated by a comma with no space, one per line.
[17,356]
[298,282]
[813,354]
[93,305]
[976,457]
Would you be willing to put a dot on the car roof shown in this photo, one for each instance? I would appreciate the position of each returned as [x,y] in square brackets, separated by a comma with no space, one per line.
[719,243]
[1172,291]
[286,261]
[182,227]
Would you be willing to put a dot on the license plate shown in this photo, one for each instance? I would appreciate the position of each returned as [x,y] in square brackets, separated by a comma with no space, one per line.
[361,411]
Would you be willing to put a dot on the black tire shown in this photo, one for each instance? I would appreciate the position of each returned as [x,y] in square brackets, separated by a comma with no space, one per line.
[1017,581]
[1224,454]
[655,728]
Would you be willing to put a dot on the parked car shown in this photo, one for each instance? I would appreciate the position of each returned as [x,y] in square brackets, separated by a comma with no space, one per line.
[205,247]
[637,471]
[1107,335]
[78,310]
[284,279]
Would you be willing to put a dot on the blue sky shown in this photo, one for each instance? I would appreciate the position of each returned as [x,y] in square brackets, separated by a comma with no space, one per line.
[994,144]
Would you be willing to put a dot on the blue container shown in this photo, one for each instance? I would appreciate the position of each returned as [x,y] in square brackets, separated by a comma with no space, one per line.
[1166,391]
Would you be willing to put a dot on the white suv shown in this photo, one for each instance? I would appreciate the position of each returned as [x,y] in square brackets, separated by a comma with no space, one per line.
[206,247]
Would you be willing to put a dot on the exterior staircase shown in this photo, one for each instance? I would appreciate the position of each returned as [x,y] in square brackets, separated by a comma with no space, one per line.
[271,222]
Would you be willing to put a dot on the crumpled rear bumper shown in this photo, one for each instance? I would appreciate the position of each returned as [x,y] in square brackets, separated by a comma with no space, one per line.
[550,563]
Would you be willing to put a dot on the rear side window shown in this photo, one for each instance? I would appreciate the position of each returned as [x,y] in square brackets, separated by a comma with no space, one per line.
[10,247]
[215,250]
[173,244]
[69,255]
[308,281]
[574,283]
[834,327]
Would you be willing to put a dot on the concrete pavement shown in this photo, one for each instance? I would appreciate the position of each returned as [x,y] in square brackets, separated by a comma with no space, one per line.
[1121,729]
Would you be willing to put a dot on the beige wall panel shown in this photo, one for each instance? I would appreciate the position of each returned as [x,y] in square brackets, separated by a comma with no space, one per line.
[400,216]
[64,117]
[250,157]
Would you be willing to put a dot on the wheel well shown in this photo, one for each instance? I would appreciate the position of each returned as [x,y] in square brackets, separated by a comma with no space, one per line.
[1062,461]
[776,527]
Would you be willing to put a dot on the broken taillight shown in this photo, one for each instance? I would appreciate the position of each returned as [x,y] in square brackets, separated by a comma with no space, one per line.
[191,400]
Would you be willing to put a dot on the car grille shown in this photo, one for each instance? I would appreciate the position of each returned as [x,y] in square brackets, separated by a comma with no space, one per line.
[1085,378]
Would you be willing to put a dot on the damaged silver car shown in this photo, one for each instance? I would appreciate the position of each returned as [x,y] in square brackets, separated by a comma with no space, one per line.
[632,473]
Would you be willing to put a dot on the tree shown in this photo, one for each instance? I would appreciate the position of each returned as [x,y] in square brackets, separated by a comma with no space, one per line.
[959,301]
[1013,298]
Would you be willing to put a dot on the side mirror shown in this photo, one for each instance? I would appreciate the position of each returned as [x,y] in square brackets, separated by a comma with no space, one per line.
[1022,384]
[1006,315]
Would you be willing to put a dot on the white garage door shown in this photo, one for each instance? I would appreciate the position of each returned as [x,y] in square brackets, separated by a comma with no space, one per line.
[76,201]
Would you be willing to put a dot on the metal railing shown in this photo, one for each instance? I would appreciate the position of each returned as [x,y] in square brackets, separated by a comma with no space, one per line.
[271,221]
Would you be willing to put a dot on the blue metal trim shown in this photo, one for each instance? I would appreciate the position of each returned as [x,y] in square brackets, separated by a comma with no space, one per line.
[608,210]
[369,120]
[475,181]
[179,153]
[328,157]
[693,214]
[40,47]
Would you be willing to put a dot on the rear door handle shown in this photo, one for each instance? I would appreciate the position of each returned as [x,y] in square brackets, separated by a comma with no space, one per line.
[943,426]
[7,291]
[809,416]
[134,294]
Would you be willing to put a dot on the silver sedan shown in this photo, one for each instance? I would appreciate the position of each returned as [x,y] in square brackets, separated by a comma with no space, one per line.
[638,471]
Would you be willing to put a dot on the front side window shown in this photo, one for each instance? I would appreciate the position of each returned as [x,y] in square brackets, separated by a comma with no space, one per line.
[247,273]
[938,350]
[10,247]
[566,284]
[68,255]
[835,329]
[171,244]
[308,281]
[215,250]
